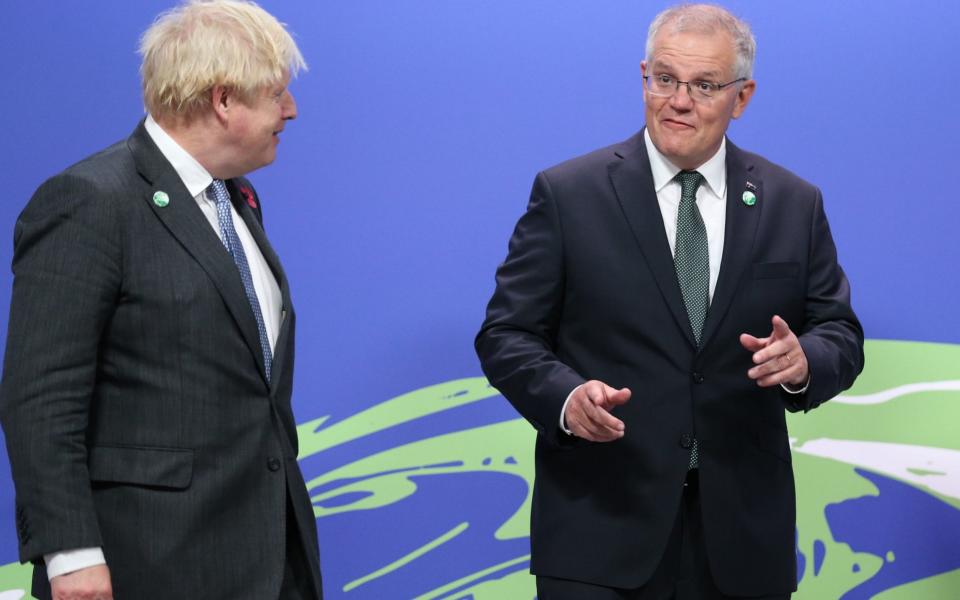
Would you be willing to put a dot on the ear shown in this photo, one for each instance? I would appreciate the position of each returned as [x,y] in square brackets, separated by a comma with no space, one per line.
[743,97]
[222,100]
[643,68]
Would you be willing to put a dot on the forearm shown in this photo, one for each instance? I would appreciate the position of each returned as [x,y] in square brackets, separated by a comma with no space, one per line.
[832,337]
[517,342]
[65,284]
[528,374]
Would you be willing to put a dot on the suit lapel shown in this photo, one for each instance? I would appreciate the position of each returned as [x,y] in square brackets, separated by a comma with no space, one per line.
[183,218]
[739,234]
[273,261]
[633,182]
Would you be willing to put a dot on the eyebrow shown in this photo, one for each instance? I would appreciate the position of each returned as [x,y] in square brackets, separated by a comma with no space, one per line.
[658,64]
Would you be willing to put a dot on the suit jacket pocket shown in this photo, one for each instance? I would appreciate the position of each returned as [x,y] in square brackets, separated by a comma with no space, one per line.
[776,270]
[160,467]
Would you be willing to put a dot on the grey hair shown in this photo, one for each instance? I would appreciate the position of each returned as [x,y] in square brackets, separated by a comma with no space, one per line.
[708,18]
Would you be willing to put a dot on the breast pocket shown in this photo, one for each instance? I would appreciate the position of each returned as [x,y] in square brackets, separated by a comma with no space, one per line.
[775,288]
[776,270]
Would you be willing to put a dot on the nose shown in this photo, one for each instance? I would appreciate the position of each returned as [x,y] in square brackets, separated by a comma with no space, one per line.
[681,100]
[289,106]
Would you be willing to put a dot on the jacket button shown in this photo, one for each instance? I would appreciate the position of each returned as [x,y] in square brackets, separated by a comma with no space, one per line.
[697,377]
[273,464]
[686,441]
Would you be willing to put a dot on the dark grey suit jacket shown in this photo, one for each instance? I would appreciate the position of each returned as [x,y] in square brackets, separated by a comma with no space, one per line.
[589,291]
[134,401]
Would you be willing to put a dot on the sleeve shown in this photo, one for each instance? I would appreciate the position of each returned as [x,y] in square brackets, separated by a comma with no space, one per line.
[66,270]
[831,337]
[517,341]
[68,561]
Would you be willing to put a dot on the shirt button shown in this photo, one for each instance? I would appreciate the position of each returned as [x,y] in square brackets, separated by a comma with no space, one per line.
[686,441]
[273,464]
[697,377]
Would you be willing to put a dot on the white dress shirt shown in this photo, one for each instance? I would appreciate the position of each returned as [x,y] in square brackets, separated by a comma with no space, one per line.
[711,199]
[196,179]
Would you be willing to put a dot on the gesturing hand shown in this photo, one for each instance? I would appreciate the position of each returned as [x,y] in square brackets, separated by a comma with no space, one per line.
[779,358]
[588,411]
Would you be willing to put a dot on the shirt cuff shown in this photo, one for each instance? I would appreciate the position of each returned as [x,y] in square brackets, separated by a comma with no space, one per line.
[563,412]
[68,561]
[795,390]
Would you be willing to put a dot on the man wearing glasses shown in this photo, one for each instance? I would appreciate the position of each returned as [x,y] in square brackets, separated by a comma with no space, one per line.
[663,301]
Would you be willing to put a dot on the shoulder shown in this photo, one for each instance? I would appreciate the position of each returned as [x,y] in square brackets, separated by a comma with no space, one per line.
[101,179]
[772,174]
[595,163]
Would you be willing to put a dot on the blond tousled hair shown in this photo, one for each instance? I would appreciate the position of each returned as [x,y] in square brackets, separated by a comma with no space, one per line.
[202,43]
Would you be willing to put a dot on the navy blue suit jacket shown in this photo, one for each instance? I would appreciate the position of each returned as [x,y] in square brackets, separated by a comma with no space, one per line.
[589,291]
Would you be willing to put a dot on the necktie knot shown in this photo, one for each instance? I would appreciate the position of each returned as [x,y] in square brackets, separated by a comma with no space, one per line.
[217,191]
[689,183]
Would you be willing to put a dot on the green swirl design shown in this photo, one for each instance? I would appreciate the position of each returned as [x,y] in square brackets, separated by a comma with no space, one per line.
[899,420]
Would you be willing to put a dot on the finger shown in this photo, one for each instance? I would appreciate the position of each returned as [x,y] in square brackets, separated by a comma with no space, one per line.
[780,327]
[603,435]
[589,430]
[781,348]
[778,378]
[577,412]
[773,371]
[776,364]
[597,424]
[616,397]
[768,368]
[752,343]
[604,398]
[583,422]
[594,392]
[602,418]
[582,432]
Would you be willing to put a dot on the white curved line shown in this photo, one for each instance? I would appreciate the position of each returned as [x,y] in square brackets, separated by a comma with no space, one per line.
[937,469]
[900,390]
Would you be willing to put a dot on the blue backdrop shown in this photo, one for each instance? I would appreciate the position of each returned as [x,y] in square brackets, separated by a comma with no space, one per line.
[421,127]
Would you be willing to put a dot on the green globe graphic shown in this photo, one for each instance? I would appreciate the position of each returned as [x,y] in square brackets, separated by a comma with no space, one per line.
[430,515]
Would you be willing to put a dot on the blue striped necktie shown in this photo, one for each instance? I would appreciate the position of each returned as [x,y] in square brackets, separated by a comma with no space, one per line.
[218,193]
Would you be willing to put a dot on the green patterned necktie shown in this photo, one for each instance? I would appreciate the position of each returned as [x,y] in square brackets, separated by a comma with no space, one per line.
[692,260]
[692,256]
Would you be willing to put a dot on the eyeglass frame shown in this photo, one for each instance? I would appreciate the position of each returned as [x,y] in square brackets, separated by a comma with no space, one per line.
[719,86]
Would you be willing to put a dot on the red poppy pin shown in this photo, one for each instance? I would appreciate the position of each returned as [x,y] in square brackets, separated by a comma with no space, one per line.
[248,196]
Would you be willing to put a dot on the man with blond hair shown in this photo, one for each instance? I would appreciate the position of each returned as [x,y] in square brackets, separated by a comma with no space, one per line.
[149,361]
[662,302]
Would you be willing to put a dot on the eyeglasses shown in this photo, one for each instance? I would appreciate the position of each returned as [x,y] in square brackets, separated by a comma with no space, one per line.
[661,84]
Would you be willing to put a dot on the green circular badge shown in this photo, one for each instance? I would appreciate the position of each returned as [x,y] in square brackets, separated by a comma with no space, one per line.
[161,198]
[749,198]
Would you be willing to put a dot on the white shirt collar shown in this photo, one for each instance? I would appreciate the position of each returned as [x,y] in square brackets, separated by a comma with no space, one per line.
[192,173]
[714,171]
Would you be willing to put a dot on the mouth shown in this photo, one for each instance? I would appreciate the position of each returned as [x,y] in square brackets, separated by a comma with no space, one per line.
[677,125]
